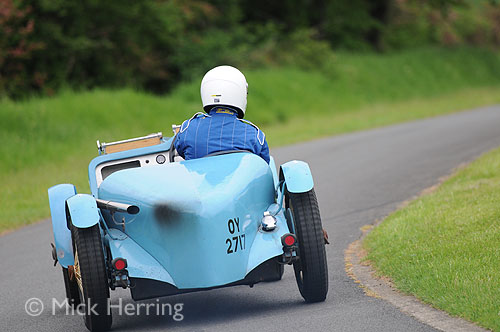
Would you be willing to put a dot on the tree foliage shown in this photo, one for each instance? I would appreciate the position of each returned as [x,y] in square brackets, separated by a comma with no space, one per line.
[153,44]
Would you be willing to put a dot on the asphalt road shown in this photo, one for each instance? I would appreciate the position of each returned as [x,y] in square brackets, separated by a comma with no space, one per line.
[359,178]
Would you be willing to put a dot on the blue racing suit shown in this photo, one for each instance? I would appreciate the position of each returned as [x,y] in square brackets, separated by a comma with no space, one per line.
[219,130]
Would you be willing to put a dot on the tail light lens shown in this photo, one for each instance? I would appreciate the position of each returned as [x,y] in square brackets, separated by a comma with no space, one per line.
[288,240]
[119,263]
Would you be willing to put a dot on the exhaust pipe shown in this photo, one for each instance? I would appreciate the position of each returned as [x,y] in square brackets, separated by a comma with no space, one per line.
[117,207]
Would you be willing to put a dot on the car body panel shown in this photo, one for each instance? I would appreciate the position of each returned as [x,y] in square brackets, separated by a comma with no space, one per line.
[140,264]
[272,166]
[198,218]
[160,148]
[267,244]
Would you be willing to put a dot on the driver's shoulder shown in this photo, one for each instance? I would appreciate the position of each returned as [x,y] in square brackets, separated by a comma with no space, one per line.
[197,116]
[259,134]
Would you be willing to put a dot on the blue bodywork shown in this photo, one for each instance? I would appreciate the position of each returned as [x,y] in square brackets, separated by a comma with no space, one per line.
[199,224]
[297,176]
[83,210]
[163,147]
[57,197]
[199,218]
[140,263]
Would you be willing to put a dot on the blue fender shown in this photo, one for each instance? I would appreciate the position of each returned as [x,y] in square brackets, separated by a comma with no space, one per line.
[83,210]
[297,175]
[62,235]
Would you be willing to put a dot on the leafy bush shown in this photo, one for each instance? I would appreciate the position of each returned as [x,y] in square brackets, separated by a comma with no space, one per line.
[413,23]
[155,44]
[304,50]
[17,45]
[86,43]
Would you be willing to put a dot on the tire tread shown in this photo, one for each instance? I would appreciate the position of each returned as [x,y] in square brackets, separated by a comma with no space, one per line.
[94,277]
[314,284]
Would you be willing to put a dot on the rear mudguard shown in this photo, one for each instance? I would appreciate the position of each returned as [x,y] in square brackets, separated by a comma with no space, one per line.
[83,212]
[62,235]
[297,176]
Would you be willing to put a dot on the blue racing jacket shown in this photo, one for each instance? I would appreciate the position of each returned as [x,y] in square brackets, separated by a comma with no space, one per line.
[219,130]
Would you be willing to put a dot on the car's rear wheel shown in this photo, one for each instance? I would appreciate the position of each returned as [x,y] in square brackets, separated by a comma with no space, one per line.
[91,277]
[71,286]
[311,271]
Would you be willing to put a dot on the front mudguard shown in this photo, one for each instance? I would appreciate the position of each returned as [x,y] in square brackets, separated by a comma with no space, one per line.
[297,176]
[62,235]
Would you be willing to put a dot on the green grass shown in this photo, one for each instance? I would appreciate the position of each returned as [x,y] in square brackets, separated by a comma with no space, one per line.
[46,141]
[444,247]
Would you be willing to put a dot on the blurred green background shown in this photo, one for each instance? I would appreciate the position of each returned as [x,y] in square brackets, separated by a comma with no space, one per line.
[72,72]
[153,45]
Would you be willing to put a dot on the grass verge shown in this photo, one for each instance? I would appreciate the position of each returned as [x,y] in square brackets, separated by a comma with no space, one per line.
[46,141]
[444,247]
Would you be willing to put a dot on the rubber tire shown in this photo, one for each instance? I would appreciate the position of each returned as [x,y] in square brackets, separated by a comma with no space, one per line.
[72,291]
[311,270]
[94,278]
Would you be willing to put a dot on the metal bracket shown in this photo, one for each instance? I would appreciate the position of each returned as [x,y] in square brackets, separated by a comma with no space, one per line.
[279,198]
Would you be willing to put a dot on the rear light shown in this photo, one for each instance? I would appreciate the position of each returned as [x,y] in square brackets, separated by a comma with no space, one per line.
[288,240]
[119,263]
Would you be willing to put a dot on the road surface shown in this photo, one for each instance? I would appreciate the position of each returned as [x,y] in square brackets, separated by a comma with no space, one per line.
[359,177]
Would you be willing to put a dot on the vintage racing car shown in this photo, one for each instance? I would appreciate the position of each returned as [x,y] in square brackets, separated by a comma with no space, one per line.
[160,226]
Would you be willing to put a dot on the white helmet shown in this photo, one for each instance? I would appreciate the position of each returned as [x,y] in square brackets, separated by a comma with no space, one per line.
[224,85]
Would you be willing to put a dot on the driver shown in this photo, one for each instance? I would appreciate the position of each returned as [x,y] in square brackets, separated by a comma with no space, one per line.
[224,92]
